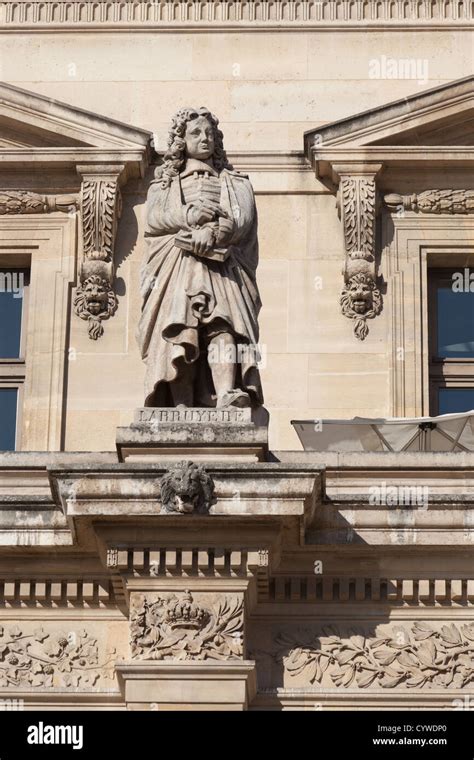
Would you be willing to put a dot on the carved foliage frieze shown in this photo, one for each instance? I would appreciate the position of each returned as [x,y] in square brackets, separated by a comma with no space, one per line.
[171,627]
[420,656]
[361,298]
[433,202]
[42,659]
[25,202]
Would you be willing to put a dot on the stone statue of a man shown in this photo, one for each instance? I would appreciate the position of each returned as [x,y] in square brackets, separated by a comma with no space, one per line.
[198,330]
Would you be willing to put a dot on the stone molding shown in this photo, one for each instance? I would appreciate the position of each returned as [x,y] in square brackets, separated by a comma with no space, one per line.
[216,14]
[350,590]
[231,563]
[230,684]
[408,243]
[166,562]
[88,592]
[50,241]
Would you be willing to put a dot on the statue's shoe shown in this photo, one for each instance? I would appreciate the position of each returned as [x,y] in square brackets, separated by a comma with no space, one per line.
[234,398]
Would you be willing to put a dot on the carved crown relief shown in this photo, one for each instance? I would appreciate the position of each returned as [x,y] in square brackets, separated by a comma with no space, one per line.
[170,627]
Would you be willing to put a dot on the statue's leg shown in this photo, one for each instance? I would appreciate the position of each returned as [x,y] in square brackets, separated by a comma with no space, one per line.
[223,348]
[182,389]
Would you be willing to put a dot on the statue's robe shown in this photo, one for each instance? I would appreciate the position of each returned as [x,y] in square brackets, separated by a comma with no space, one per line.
[185,295]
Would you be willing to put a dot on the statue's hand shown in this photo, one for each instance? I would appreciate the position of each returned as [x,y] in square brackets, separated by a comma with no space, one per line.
[225,231]
[202,214]
[203,240]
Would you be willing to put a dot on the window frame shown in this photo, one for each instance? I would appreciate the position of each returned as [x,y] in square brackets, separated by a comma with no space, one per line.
[13,370]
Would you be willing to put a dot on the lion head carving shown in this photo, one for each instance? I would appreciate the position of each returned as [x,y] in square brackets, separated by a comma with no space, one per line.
[361,300]
[94,301]
[187,488]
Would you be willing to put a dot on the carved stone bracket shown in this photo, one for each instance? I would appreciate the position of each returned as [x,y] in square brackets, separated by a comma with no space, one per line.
[433,202]
[95,299]
[361,299]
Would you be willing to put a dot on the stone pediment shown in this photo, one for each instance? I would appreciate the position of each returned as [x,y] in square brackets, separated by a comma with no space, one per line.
[31,120]
[435,126]
[42,132]
[40,137]
[354,157]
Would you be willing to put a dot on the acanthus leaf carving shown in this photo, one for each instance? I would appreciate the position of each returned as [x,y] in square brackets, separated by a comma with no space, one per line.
[169,627]
[95,299]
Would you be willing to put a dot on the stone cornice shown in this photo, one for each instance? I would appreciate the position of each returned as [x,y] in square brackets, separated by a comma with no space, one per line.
[43,15]
[68,158]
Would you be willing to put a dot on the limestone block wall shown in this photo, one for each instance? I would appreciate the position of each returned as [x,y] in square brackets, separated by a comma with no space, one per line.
[267,85]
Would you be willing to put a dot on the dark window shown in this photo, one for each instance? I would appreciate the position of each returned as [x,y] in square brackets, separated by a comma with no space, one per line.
[13,297]
[8,415]
[452,400]
[12,283]
[455,321]
[451,340]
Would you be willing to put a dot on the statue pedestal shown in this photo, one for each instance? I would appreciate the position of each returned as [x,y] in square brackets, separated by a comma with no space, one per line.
[210,685]
[198,433]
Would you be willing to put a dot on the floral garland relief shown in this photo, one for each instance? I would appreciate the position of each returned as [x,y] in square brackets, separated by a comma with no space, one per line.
[40,659]
[422,658]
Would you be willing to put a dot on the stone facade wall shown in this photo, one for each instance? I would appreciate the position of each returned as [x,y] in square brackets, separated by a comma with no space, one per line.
[267,85]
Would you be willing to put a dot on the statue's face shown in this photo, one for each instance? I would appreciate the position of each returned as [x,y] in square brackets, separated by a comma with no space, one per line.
[199,138]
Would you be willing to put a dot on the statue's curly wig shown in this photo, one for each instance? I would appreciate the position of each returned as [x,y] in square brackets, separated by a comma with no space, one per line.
[175,156]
